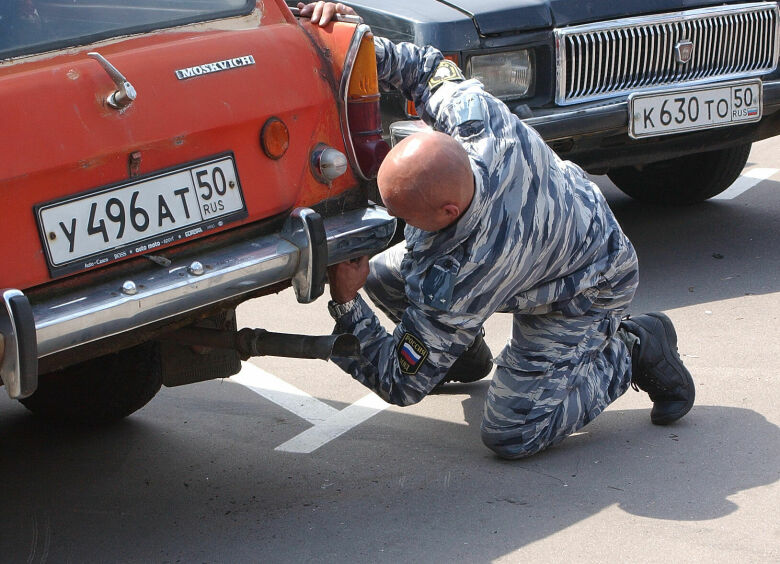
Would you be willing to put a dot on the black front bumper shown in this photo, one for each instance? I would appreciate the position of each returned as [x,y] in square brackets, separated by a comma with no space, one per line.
[596,137]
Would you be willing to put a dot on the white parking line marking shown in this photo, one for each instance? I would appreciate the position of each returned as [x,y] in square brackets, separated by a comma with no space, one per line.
[745,182]
[329,423]
[283,394]
[344,420]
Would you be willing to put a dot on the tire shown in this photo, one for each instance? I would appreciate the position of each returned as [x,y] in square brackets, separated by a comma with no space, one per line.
[684,180]
[100,390]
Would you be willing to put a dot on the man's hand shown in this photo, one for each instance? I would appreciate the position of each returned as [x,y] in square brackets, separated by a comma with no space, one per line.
[346,278]
[322,12]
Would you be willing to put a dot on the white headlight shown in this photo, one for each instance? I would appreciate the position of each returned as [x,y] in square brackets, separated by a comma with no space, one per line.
[505,75]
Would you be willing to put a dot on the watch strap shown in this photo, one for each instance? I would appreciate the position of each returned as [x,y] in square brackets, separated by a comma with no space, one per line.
[337,310]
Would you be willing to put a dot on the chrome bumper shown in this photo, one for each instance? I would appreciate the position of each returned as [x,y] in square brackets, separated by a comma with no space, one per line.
[125,304]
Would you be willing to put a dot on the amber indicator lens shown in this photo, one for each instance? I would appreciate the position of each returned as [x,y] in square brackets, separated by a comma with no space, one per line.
[363,117]
[363,82]
[274,138]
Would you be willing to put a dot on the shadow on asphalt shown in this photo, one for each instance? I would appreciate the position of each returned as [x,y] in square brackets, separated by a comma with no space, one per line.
[684,471]
[712,251]
[173,483]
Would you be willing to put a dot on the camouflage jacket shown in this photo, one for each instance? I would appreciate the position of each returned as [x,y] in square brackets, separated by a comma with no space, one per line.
[538,236]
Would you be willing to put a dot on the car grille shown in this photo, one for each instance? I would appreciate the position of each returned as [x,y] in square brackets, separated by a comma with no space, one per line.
[596,61]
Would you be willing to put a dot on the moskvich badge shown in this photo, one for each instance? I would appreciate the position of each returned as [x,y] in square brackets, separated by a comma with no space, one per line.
[216,66]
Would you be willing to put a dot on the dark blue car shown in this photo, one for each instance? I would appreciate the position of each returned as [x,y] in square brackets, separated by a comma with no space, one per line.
[665,96]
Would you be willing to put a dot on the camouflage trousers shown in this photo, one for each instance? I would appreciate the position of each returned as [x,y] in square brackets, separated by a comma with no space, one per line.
[556,373]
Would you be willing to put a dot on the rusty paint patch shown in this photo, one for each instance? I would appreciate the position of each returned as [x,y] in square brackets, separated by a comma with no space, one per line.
[134,164]
[73,74]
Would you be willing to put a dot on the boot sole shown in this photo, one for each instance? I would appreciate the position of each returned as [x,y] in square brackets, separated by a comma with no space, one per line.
[673,358]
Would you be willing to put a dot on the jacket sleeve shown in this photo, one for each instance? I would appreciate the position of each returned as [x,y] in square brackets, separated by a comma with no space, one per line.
[456,106]
[407,68]
[402,367]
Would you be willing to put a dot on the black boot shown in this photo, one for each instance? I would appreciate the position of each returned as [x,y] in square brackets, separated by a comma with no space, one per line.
[475,363]
[657,368]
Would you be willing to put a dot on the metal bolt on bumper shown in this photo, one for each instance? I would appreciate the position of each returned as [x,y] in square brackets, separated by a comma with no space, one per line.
[301,253]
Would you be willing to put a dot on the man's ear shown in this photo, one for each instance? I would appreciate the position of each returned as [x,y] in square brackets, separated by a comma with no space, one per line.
[451,211]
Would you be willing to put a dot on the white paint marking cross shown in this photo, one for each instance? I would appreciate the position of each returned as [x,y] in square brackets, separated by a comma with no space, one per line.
[329,423]
[745,182]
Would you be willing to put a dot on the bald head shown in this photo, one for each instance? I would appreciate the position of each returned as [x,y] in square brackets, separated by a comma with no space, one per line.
[426,180]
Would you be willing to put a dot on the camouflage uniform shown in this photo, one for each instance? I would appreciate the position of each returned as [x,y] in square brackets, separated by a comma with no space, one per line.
[537,241]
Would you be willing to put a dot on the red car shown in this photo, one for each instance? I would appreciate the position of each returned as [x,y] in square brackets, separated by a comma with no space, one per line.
[161,163]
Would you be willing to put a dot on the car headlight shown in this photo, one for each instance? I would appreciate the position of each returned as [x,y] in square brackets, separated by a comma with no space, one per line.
[505,75]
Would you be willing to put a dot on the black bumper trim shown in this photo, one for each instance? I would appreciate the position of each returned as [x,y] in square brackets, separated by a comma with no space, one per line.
[612,117]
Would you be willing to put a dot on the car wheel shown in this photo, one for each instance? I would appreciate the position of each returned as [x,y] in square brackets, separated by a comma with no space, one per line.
[684,180]
[100,390]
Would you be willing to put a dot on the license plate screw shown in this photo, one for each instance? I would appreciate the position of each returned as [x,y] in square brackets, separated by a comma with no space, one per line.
[232,184]
[52,235]
[196,269]
[129,288]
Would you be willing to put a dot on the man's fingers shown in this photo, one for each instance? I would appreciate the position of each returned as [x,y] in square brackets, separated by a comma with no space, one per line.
[346,278]
[331,10]
[348,10]
[362,268]
[321,13]
[312,10]
[357,265]
[317,12]
[306,9]
[328,11]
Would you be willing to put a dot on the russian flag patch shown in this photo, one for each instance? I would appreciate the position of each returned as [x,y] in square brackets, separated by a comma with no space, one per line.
[411,354]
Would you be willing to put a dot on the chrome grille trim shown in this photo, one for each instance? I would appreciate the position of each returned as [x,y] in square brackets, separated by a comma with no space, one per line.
[600,60]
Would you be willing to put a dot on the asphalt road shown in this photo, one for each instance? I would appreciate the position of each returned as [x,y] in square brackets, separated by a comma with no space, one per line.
[307,467]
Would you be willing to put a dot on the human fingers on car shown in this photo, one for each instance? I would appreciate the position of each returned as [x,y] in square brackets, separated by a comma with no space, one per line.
[346,278]
[322,13]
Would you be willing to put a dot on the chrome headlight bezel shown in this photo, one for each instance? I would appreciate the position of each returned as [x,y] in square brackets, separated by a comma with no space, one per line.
[508,75]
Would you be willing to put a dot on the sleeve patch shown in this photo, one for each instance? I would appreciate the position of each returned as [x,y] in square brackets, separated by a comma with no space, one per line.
[439,283]
[412,352]
[447,71]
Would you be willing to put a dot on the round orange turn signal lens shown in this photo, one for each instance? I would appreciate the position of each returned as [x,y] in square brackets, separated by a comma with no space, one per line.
[274,138]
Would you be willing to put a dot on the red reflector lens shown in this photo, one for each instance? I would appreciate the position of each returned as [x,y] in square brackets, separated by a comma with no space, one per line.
[364,115]
[365,124]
